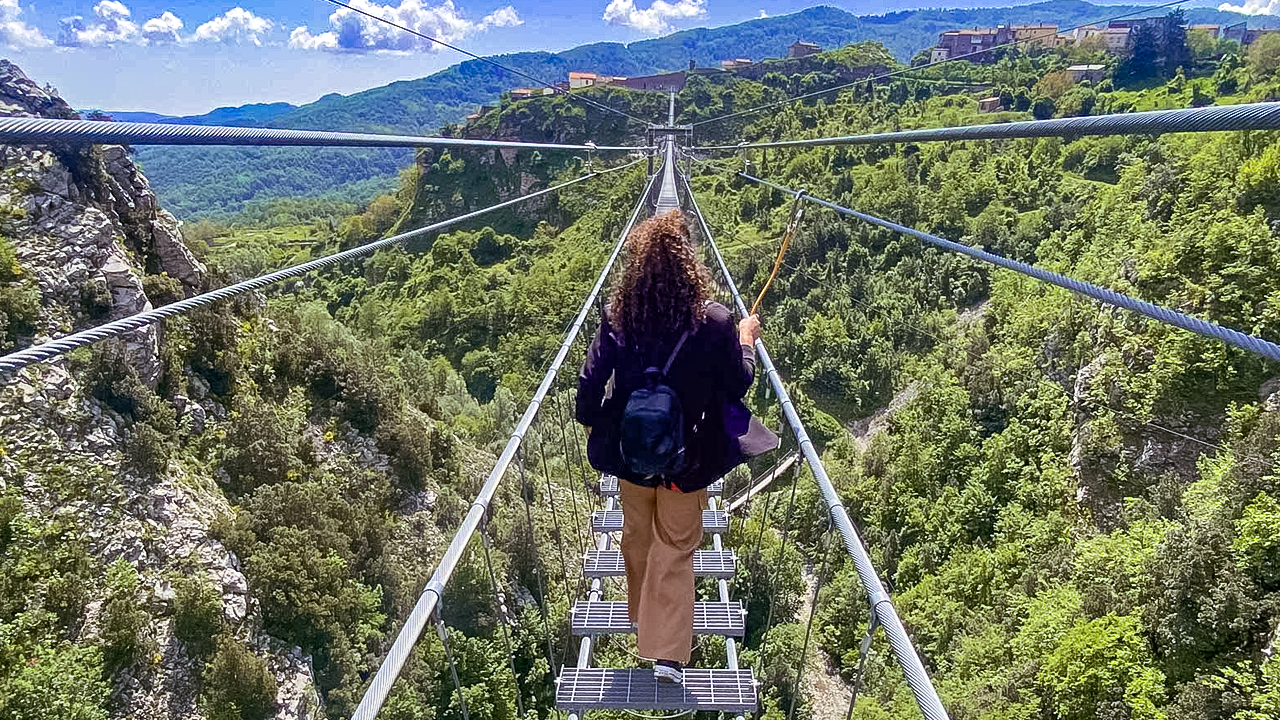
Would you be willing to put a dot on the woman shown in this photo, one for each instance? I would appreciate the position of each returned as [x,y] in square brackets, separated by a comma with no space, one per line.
[661,312]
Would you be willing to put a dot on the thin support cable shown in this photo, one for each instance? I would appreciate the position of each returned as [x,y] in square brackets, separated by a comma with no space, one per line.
[571,476]
[40,131]
[819,579]
[781,558]
[443,632]
[864,649]
[967,56]
[1217,118]
[500,606]
[904,651]
[555,524]
[1204,328]
[526,491]
[494,63]
[15,361]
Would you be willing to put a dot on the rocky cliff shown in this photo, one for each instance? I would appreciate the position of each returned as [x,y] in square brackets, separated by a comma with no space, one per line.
[92,244]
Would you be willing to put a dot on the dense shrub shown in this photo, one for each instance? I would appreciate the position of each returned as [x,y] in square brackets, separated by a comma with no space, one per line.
[197,614]
[237,684]
[125,625]
[19,299]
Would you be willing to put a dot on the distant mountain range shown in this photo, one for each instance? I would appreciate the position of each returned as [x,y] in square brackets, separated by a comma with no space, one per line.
[423,106]
[426,104]
[246,115]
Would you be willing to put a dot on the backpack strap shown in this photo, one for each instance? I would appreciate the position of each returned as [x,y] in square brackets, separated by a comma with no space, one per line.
[667,368]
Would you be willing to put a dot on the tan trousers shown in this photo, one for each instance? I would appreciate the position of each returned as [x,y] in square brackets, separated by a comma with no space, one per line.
[660,530]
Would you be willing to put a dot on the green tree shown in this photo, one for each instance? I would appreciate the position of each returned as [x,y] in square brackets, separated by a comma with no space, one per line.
[1103,668]
[1044,108]
[1264,56]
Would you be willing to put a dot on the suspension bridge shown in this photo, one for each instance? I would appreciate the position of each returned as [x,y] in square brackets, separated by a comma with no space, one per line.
[596,614]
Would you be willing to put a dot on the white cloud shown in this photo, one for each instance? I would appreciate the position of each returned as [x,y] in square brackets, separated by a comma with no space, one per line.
[15,33]
[656,20]
[111,26]
[353,32]
[502,17]
[162,30]
[236,26]
[302,39]
[1253,7]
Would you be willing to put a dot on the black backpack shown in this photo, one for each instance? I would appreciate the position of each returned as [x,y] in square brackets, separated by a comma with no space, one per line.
[651,437]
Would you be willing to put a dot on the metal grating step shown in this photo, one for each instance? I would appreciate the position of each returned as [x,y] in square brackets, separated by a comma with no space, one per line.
[610,618]
[609,487]
[713,521]
[731,691]
[706,563]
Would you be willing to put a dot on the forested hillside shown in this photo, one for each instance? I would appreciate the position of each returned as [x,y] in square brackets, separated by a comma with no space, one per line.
[1074,507]
[1076,510]
[218,182]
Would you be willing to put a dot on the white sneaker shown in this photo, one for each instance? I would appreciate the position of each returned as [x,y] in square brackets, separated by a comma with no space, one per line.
[665,673]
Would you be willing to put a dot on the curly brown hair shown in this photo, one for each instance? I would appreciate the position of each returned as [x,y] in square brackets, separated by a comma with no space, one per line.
[663,287]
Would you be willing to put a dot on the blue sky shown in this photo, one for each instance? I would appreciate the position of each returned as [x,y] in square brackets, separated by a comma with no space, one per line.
[191,56]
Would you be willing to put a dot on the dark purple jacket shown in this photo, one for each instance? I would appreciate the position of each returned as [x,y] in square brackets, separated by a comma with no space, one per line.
[711,372]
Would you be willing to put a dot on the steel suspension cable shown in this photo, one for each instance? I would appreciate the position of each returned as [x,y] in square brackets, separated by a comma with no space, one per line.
[936,63]
[881,606]
[902,323]
[29,130]
[489,61]
[1249,116]
[906,324]
[408,636]
[47,351]
[1204,328]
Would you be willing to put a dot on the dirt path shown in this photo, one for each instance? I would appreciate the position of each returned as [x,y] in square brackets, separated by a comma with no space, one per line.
[827,692]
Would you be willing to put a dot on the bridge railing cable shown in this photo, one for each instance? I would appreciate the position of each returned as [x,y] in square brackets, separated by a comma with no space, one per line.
[1029,40]
[1204,328]
[31,130]
[1250,116]
[424,609]
[882,610]
[15,361]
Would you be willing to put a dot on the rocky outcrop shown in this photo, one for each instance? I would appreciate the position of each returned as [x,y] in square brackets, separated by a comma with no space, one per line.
[86,223]
[1106,438]
[89,231]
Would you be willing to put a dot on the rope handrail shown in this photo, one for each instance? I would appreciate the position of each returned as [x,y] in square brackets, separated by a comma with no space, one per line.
[15,361]
[1249,116]
[925,66]
[424,608]
[1204,328]
[881,606]
[33,130]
